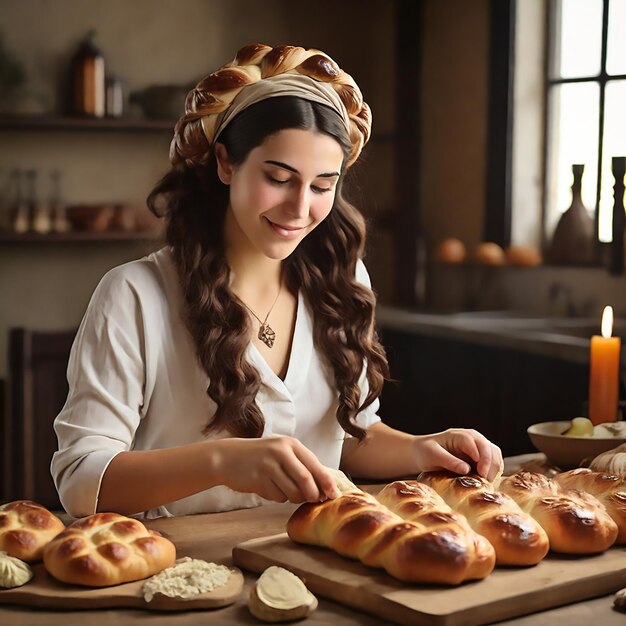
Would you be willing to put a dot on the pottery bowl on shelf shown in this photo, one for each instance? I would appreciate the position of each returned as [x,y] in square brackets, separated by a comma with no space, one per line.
[565,451]
[91,218]
[145,221]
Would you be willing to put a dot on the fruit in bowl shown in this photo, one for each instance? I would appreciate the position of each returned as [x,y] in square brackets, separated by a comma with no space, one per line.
[572,443]
[580,427]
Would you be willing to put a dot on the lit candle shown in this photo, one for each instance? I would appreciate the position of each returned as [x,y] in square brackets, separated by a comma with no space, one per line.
[604,372]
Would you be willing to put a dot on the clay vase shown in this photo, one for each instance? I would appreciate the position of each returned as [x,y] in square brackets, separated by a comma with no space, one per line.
[573,242]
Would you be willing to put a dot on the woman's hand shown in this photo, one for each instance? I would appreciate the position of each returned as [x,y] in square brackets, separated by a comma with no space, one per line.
[458,450]
[276,468]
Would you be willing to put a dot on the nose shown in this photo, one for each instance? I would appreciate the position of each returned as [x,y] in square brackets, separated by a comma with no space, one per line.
[299,201]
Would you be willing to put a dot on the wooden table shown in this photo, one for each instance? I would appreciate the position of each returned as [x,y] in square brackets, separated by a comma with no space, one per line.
[213,536]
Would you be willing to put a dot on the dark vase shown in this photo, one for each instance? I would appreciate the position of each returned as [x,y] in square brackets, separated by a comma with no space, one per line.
[574,238]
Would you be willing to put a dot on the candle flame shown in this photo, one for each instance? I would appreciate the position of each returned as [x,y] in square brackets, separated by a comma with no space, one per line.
[607,321]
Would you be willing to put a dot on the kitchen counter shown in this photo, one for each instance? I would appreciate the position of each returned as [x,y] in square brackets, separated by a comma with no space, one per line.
[563,338]
[213,536]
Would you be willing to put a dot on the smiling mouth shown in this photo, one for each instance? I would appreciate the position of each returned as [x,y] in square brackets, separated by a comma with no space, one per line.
[285,231]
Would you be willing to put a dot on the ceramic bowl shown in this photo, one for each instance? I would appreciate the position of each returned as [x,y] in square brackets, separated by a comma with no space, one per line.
[569,452]
[92,218]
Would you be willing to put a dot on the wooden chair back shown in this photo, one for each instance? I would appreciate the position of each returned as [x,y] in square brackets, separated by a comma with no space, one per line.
[37,390]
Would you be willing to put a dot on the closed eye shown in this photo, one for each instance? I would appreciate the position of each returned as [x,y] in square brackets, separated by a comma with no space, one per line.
[277,181]
[320,189]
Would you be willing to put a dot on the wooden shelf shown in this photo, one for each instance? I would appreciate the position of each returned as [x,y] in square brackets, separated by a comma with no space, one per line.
[106,124]
[77,236]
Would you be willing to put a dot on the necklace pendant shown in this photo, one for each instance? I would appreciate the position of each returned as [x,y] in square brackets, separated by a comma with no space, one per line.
[266,335]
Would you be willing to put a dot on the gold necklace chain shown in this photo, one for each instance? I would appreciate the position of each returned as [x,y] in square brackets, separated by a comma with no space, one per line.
[266,334]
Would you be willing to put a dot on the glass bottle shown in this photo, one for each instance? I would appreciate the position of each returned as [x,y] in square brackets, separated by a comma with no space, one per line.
[39,211]
[114,97]
[60,223]
[21,217]
[88,79]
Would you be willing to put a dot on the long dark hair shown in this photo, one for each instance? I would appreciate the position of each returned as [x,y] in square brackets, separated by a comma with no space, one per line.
[194,202]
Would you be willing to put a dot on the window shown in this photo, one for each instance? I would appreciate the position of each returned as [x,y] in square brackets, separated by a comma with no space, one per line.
[586,105]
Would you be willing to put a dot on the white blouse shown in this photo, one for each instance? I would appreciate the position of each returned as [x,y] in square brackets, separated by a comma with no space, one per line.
[135,384]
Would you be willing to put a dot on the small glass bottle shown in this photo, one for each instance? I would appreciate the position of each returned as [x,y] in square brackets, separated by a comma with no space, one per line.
[60,223]
[39,211]
[114,97]
[21,217]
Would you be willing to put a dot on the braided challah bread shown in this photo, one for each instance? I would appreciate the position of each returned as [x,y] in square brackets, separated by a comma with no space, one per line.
[107,549]
[609,489]
[356,525]
[417,502]
[25,528]
[575,522]
[208,103]
[517,538]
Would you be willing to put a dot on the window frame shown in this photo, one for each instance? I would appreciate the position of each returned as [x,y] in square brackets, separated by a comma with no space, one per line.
[499,165]
[602,80]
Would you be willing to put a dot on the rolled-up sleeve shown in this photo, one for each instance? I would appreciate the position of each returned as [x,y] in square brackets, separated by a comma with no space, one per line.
[106,376]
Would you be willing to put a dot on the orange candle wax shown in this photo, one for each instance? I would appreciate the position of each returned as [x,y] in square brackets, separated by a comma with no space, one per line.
[604,373]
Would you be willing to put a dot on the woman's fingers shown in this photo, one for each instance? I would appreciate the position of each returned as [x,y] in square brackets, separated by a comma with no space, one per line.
[484,451]
[487,456]
[324,480]
[448,461]
[462,450]
[497,462]
[297,472]
[298,482]
[271,491]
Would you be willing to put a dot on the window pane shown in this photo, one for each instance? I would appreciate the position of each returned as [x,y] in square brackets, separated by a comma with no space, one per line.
[614,145]
[578,40]
[573,138]
[616,51]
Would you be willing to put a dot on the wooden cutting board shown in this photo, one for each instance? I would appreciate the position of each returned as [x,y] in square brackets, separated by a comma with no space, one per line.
[44,591]
[506,593]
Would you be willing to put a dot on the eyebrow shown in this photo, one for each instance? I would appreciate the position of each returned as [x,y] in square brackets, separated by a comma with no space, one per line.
[295,171]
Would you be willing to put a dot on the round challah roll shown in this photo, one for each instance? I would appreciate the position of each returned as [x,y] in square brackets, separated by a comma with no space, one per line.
[609,489]
[517,538]
[25,528]
[575,521]
[107,549]
[356,525]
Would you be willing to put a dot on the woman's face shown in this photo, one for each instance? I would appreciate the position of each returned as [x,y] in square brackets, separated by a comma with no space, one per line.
[281,192]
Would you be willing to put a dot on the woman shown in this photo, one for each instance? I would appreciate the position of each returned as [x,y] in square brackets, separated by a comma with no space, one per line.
[240,362]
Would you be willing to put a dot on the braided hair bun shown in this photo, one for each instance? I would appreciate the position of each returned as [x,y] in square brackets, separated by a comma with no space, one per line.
[283,70]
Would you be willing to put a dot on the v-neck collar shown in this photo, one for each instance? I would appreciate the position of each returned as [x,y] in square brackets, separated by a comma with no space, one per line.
[301,347]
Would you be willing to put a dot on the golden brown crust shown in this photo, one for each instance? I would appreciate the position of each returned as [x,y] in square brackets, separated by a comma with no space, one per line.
[575,522]
[25,528]
[356,525]
[517,538]
[107,549]
[609,489]
[213,94]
